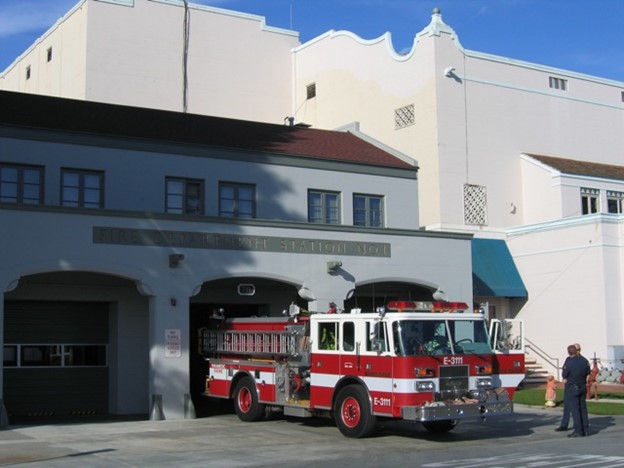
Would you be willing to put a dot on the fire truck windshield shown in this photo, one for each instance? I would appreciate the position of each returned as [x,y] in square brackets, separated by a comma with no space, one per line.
[436,337]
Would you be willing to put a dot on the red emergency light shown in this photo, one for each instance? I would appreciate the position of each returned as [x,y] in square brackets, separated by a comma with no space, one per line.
[444,306]
[400,306]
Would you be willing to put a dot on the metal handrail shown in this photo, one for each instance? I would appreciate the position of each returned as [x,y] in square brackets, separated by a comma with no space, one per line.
[550,360]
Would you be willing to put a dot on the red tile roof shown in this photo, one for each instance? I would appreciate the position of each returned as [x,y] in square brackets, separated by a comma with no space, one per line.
[585,168]
[36,111]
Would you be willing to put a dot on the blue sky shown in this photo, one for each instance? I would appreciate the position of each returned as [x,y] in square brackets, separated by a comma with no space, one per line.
[585,36]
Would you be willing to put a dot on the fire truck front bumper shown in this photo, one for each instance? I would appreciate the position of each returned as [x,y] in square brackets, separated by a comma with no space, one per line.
[495,405]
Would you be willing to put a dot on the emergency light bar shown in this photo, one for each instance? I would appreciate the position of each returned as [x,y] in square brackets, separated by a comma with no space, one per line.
[437,306]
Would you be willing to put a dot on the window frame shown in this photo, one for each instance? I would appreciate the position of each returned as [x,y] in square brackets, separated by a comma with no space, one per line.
[560,84]
[55,355]
[590,201]
[82,188]
[615,199]
[368,211]
[236,200]
[21,183]
[325,210]
[184,205]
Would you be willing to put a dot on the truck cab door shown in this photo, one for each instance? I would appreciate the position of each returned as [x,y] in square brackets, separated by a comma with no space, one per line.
[507,342]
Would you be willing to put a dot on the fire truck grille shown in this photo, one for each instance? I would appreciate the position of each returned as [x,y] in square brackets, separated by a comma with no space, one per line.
[453,382]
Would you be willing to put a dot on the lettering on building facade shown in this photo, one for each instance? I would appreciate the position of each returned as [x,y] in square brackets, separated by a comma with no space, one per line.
[221,241]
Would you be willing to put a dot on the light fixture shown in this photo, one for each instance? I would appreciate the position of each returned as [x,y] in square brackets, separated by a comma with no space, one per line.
[449,71]
[175,259]
[333,266]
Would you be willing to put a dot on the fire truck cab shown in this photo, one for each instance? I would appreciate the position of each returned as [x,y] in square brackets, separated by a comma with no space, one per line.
[424,362]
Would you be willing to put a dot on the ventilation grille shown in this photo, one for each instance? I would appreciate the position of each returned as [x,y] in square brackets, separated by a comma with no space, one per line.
[475,205]
[404,117]
[453,382]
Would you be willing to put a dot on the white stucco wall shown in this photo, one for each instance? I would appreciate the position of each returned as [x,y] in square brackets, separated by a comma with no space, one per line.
[66,73]
[573,272]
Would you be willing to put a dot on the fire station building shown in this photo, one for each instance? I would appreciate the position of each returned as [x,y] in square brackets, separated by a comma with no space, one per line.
[124,228]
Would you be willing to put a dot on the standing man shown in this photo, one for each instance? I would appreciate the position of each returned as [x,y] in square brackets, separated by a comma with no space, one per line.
[575,371]
[565,419]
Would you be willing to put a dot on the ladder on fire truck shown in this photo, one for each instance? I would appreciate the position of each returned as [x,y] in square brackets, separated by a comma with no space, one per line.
[266,343]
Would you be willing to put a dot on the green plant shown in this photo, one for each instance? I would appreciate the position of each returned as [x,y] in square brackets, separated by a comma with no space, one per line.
[535,397]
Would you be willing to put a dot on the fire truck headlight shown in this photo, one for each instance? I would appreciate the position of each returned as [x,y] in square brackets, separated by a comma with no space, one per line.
[425,386]
[484,383]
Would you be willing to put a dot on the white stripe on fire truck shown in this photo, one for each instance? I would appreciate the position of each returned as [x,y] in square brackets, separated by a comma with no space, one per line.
[381,384]
[266,377]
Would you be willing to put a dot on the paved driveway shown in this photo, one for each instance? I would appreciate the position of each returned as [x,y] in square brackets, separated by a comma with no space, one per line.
[526,439]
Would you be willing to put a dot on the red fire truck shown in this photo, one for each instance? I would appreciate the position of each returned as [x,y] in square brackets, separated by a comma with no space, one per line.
[433,363]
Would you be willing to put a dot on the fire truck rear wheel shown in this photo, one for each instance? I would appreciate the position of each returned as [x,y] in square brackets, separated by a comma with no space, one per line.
[440,427]
[353,413]
[246,403]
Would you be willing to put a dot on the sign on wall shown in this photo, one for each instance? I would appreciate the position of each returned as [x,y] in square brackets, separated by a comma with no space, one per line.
[173,343]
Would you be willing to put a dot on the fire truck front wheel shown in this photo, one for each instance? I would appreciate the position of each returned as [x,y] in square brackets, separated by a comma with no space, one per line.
[353,413]
[246,401]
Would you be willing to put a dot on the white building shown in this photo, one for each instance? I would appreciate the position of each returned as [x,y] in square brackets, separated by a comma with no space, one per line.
[123,229]
[525,157]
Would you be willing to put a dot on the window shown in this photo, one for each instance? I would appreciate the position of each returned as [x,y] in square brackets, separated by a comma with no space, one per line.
[21,184]
[376,337]
[10,356]
[475,205]
[558,83]
[54,355]
[311,91]
[327,336]
[184,196]
[368,210]
[348,336]
[615,202]
[589,200]
[323,207]
[237,200]
[404,117]
[81,188]
[84,355]
[28,72]
[49,54]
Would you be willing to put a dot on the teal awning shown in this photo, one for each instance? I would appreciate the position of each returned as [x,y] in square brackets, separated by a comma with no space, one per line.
[494,272]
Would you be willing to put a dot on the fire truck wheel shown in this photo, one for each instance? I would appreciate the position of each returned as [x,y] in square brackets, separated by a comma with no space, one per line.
[352,412]
[246,401]
[440,427]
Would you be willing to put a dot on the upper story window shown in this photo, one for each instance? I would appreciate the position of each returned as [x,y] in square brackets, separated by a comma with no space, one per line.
[28,72]
[184,196]
[49,54]
[82,188]
[404,117]
[311,91]
[323,207]
[589,200]
[475,205]
[368,210]
[615,202]
[21,184]
[558,83]
[237,200]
